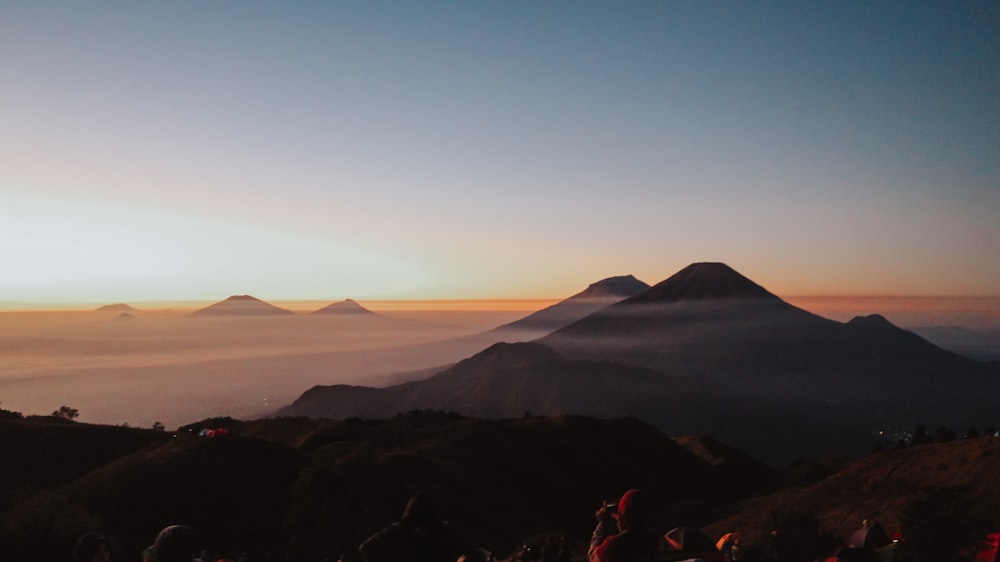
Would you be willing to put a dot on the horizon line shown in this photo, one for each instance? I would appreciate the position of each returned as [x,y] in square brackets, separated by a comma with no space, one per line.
[508,303]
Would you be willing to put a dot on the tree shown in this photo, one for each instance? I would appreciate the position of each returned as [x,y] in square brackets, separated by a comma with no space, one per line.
[158,426]
[66,413]
[8,414]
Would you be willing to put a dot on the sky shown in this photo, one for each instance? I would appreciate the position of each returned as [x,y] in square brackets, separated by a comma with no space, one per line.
[191,150]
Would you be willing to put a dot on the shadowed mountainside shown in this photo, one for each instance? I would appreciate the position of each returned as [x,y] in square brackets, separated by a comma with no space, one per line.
[508,380]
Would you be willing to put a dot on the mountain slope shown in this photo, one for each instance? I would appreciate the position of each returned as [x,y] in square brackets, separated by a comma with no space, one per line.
[878,487]
[508,380]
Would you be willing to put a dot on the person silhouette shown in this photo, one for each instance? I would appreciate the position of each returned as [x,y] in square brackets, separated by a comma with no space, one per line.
[633,540]
[419,536]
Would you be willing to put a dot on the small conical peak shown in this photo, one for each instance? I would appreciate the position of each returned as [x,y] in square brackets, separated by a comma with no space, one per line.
[117,307]
[704,281]
[237,305]
[622,286]
[346,306]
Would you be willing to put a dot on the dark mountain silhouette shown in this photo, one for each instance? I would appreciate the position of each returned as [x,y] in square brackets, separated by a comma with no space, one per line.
[507,380]
[125,317]
[117,307]
[241,305]
[345,307]
[708,351]
[709,321]
[595,297]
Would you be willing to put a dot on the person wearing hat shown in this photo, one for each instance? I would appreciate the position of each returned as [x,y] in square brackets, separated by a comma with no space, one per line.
[419,536]
[175,543]
[633,540]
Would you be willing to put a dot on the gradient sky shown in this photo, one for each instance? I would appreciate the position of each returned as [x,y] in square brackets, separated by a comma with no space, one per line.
[517,149]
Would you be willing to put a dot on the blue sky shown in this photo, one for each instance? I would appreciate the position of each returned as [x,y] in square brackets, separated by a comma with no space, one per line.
[322,150]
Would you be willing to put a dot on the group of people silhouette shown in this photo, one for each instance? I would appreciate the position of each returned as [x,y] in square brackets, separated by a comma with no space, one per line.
[421,535]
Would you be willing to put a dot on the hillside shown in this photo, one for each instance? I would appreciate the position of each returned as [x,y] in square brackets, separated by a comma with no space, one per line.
[882,487]
[302,489]
[305,489]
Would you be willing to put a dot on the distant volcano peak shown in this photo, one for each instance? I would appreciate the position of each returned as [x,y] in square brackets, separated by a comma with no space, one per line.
[241,305]
[346,306]
[704,281]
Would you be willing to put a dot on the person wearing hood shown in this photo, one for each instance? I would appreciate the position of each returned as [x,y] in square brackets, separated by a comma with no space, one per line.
[419,536]
[621,534]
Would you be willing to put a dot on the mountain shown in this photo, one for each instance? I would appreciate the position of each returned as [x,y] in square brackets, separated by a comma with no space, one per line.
[344,307]
[241,305]
[117,307]
[508,380]
[709,321]
[595,297]
[708,351]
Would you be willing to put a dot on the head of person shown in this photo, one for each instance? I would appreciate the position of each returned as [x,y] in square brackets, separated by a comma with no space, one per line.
[92,547]
[419,517]
[175,543]
[633,510]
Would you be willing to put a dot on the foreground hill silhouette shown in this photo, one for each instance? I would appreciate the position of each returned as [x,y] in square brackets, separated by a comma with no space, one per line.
[241,305]
[708,351]
[307,489]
